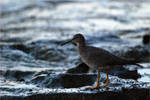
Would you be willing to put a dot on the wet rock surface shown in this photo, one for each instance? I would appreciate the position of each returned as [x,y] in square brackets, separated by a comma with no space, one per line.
[119,71]
[125,94]
[46,84]
[33,65]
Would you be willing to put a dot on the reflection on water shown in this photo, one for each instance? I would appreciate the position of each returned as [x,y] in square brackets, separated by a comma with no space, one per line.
[31,31]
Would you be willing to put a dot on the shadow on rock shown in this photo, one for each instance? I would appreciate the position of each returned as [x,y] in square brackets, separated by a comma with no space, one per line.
[75,80]
[119,71]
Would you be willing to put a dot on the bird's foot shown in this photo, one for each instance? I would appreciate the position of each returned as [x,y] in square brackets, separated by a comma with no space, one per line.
[102,86]
[97,87]
[107,85]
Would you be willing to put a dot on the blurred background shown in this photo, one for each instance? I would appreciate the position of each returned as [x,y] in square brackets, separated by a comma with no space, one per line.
[31,31]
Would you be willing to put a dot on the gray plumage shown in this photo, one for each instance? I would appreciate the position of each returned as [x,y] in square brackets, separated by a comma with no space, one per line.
[97,58]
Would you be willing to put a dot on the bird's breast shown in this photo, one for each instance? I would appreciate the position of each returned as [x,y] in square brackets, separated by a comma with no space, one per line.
[86,58]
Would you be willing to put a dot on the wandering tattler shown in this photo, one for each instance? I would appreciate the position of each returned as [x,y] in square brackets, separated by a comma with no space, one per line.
[97,58]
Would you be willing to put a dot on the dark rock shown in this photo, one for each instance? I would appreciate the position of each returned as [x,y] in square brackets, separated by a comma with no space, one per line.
[146,39]
[118,71]
[43,72]
[21,80]
[21,47]
[81,68]
[124,73]
[64,80]
[38,79]
[125,94]
[17,75]
[139,53]
[77,80]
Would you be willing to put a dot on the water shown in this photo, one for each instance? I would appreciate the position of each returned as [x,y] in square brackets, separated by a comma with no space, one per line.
[31,31]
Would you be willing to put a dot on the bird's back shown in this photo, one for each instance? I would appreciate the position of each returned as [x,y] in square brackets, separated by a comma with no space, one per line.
[98,57]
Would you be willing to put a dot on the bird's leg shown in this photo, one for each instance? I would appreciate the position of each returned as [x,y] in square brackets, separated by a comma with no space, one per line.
[98,80]
[107,79]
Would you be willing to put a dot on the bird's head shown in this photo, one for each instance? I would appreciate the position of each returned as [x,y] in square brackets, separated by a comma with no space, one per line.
[77,39]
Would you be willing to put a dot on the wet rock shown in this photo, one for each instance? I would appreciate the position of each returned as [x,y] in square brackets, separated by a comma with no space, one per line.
[139,53]
[119,71]
[146,39]
[69,86]
[46,79]
[21,47]
[78,77]
[38,79]
[80,68]
[64,80]
[125,94]
[125,73]
[21,80]
[77,80]
[17,75]
[48,72]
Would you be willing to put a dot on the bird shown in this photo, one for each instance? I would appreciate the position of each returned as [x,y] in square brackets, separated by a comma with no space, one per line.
[97,58]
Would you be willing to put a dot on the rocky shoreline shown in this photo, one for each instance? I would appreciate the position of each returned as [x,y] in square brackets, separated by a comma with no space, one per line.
[73,84]
[125,94]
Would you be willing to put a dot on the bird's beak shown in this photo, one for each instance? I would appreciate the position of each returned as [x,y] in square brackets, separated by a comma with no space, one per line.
[66,42]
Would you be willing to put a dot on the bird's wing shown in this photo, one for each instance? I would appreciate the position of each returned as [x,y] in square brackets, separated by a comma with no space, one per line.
[104,57]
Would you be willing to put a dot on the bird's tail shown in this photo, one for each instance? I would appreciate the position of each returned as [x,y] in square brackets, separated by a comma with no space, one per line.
[133,62]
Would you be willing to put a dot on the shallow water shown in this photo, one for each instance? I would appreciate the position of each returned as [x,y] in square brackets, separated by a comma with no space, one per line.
[31,31]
